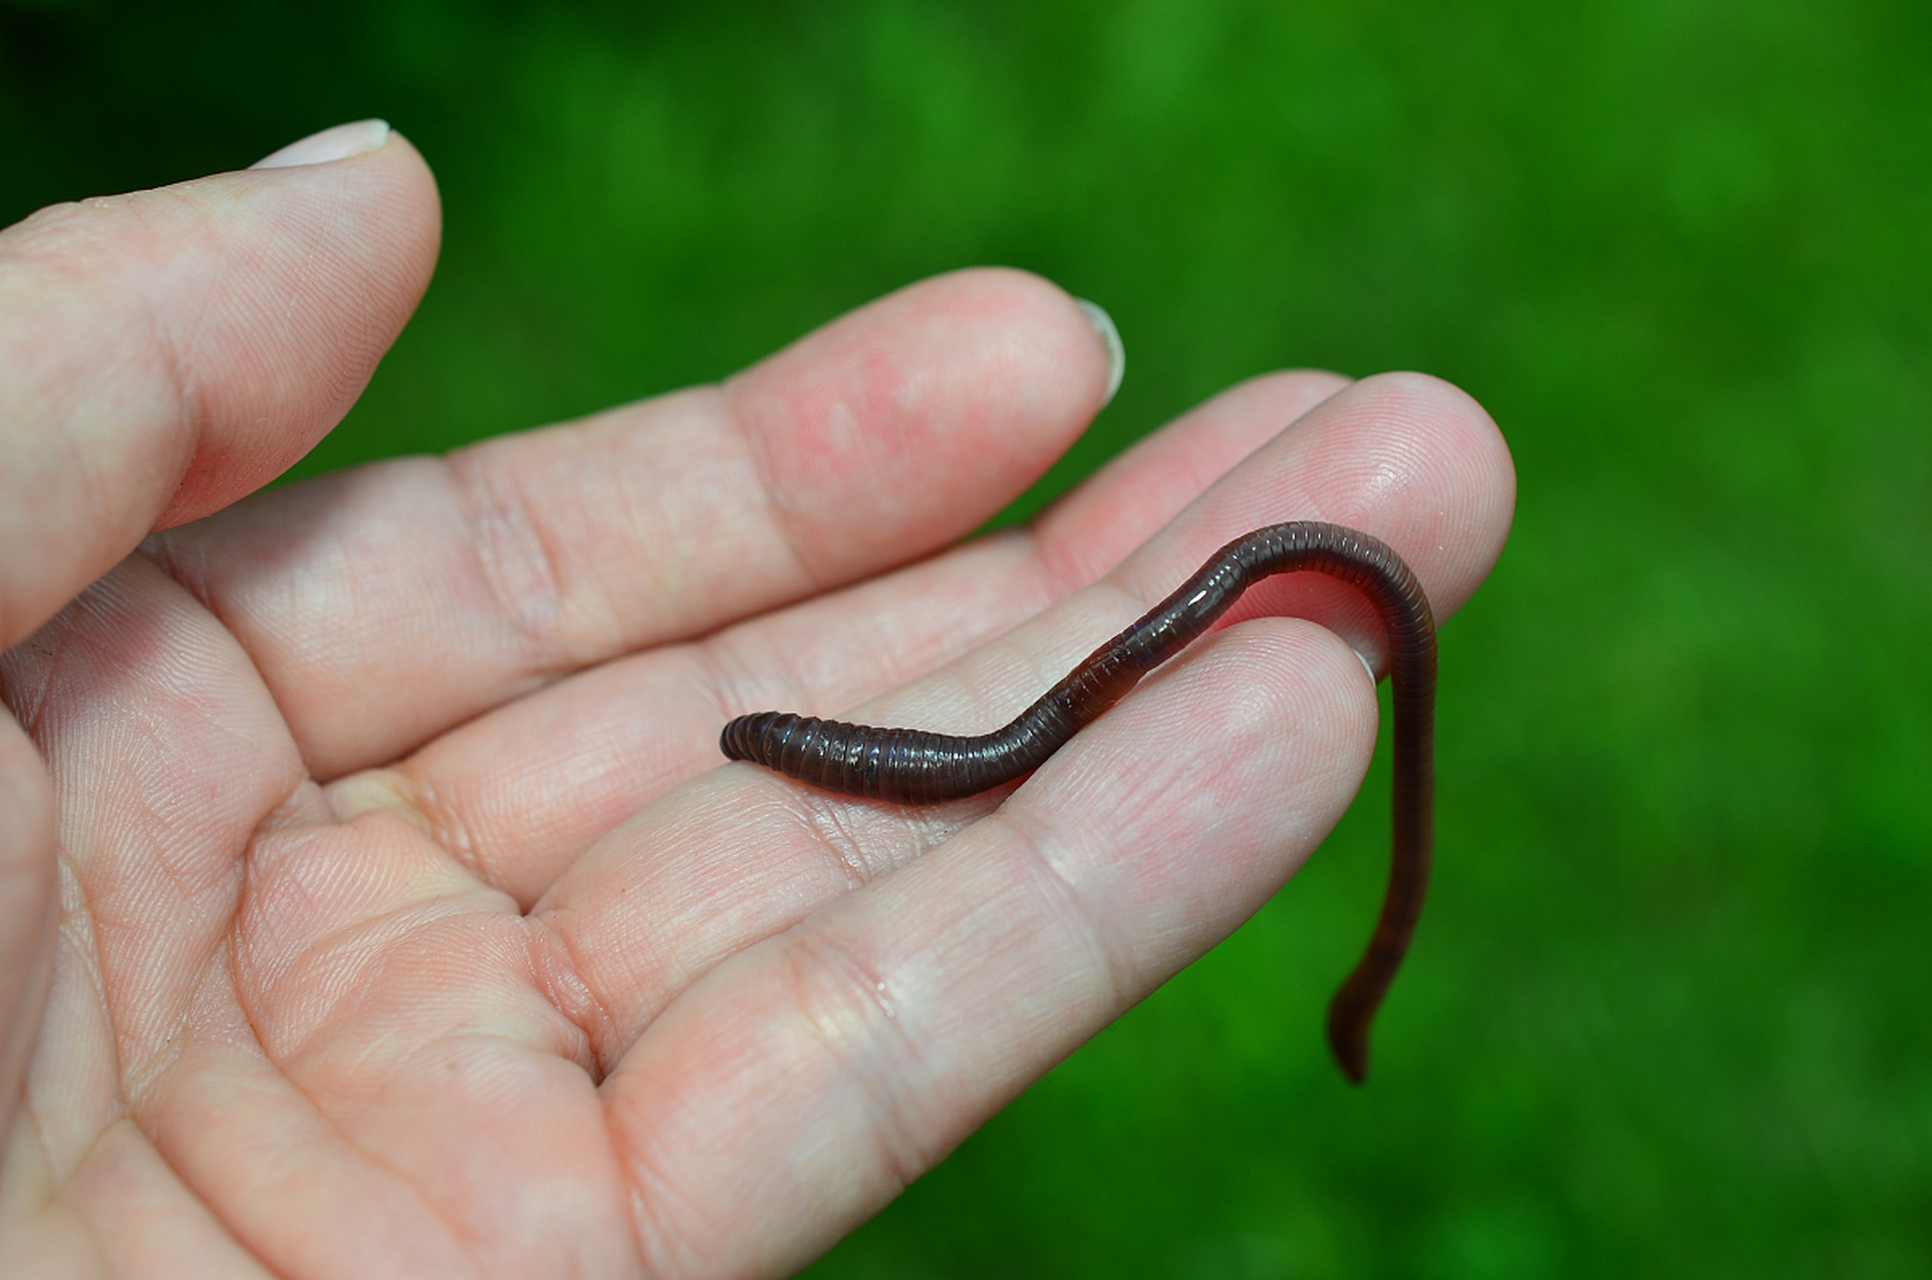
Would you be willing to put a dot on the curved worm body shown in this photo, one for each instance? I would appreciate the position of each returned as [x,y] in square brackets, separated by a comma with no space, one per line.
[910,766]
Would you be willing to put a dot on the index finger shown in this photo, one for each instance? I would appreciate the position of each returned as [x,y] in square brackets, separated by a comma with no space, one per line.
[388,604]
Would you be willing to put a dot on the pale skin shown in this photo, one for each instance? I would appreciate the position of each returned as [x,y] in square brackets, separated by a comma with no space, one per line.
[373,898]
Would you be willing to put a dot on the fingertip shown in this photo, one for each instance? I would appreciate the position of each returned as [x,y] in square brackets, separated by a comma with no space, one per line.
[341,142]
[909,422]
[1109,334]
[350,224]
[1406,456]
[1465,440]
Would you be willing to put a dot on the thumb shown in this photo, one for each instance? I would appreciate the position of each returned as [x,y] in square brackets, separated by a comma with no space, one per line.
[165,352]
[161,354]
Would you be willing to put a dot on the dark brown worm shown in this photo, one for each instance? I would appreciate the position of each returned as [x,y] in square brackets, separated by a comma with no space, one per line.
[910,766]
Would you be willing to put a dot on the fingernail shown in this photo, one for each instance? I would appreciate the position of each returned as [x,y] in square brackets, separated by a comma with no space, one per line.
[1103,324]
[339,143]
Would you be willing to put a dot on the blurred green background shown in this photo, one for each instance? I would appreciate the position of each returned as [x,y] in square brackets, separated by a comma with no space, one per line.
[1668,1013]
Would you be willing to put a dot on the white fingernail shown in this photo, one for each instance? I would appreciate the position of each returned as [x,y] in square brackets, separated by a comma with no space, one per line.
[339,143]
[1103,324]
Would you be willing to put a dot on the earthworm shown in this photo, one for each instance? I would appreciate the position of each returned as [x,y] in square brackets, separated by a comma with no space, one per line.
[910,766]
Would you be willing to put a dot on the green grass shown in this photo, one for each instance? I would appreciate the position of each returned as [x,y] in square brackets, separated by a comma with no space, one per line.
[1668,1014]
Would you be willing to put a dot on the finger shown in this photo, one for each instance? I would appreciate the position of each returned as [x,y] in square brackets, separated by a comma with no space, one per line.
[385,605]
[1127,501]
[842,1058]
[521,791]
[1403,456]
[913,1007]
[164,352]
[743,855]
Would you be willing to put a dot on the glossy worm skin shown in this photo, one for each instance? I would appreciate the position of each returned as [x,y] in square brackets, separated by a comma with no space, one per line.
[910,766]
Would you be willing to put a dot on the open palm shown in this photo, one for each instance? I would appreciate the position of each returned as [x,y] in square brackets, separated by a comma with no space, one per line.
[408,921]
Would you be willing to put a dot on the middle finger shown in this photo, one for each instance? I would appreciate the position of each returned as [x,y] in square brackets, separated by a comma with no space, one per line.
[742,855]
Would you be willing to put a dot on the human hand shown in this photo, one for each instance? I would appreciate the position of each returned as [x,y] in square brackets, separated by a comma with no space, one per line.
[408,920]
